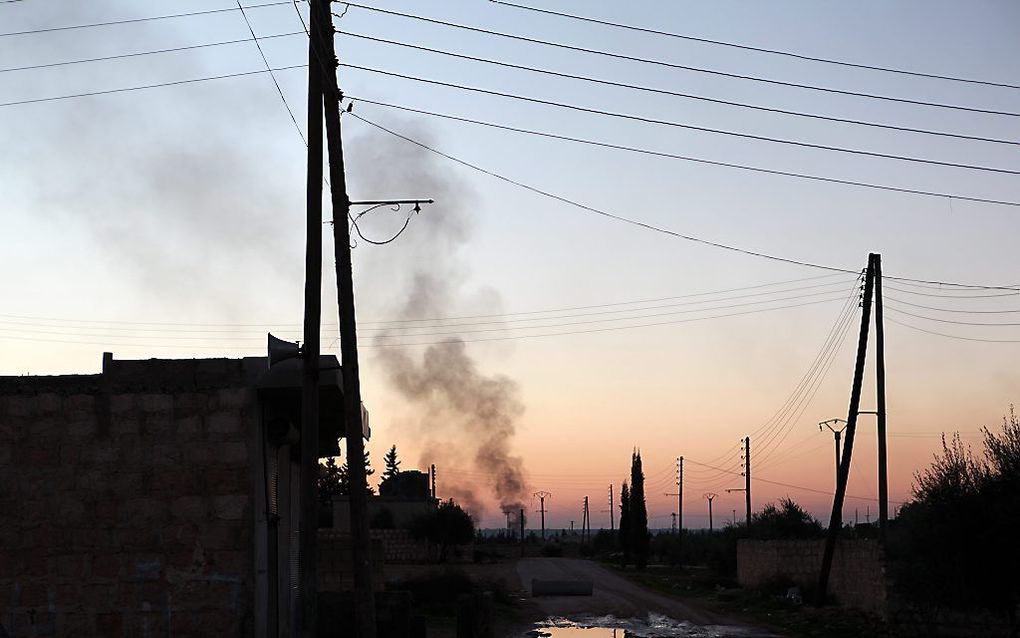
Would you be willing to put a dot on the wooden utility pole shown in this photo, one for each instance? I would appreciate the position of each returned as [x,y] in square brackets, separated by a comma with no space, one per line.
[836,520]
[364,595]
[747,478]
[883,461]
[308,526]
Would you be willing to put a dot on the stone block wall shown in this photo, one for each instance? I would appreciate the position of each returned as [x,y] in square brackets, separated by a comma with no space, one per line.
[336,561]
[858,569]
[126,502]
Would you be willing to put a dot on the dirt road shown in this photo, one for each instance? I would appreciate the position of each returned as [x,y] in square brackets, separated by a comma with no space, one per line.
[612,593]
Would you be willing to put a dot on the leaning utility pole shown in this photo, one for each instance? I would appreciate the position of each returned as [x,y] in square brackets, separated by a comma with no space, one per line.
[836,520]
[883,460]
[308,525]
[542,495]
[364,595]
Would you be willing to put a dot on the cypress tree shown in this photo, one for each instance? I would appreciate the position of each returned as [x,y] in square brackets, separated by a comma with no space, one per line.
[624,530]
[640,540]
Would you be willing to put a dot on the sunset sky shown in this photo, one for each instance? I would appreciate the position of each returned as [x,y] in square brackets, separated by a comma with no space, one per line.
[168,222]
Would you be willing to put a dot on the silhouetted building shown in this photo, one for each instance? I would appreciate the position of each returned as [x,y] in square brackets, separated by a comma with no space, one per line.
[158,498]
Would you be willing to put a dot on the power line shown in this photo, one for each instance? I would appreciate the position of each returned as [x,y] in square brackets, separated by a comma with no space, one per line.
[34,319]
[445,341]
[663,63]
[811,381]
[591,321]
[269,68]
[1014,291]
[148,86]
[136,20]
[949,336]
[659,91]
[121,56]
[460,329]
[952,310]
[663,154]
[675,124]
[953,321]
[790,485]
[746,47]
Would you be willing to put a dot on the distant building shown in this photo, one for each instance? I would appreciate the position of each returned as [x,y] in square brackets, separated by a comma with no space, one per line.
[402,499]
[158,498]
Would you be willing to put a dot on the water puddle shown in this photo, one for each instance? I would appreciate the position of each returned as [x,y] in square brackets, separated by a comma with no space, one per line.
[655,626]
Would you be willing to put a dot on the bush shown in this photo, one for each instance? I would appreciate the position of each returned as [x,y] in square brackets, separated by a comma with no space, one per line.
[445,527]
[551,550]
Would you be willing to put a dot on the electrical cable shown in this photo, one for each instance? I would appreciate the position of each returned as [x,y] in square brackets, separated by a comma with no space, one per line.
[680,125]
[24,320]
[949,336]
[952,294]
[269,68]
[659,91]
[663,63]
[644,151]
[121,56]
[640,224]
[148,86]
[446,341]
[261,326]
[746,47]
[953,321]
[952,310]
[136,20]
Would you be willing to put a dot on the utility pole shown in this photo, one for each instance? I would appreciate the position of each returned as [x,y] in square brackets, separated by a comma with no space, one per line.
[679,494]
[612,524]
[710,496]
[308,526]
[585,523]
[836,519]
[883,459]
[838,432]
[542,495]
[734,518]
[747,478]
[521,521]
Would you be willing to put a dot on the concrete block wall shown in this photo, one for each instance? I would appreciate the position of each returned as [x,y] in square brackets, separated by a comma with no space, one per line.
[858,569]
[336,561]
[126,505]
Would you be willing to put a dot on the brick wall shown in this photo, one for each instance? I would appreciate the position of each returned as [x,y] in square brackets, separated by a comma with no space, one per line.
[858,569]
[125,502]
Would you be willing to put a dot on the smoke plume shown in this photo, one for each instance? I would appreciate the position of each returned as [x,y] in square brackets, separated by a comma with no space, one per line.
[464,419]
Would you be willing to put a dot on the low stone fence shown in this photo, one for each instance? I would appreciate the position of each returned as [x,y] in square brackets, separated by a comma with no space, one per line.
[858,569]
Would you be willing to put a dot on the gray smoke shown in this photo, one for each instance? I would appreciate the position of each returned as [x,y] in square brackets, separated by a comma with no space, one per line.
[191,196]
[464,418]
